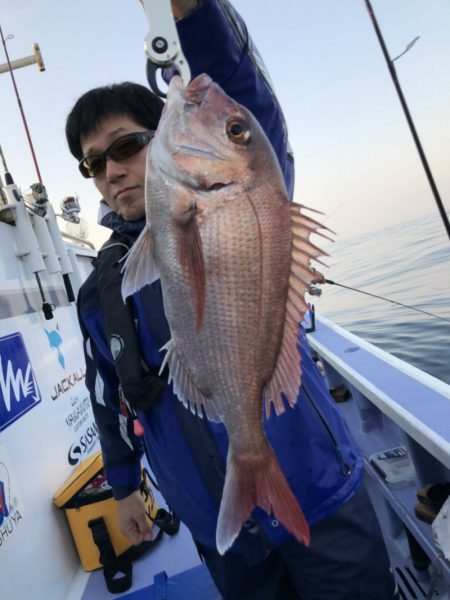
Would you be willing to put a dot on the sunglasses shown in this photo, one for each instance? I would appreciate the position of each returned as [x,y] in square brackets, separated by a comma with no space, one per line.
[124,147]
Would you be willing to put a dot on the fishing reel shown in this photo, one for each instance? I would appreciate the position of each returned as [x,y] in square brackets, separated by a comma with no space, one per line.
[38,200]
[70,209]
[76,226]
[314,291]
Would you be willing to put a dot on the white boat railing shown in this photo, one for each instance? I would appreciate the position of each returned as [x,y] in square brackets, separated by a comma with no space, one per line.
[392,404]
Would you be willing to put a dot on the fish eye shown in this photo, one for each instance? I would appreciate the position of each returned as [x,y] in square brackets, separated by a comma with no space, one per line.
[238,131]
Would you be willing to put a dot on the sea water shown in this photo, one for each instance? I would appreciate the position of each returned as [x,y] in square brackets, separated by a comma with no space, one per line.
[408,263]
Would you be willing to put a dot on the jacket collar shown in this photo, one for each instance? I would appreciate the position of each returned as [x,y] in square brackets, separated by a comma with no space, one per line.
[110,219]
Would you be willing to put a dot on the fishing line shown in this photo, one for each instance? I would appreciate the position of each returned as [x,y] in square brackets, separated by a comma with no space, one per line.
[347,287]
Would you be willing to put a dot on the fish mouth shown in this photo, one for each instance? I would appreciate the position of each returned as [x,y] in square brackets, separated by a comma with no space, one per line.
[196,89]
[194,93]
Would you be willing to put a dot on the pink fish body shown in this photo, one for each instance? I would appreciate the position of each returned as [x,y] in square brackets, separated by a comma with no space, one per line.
[233,256]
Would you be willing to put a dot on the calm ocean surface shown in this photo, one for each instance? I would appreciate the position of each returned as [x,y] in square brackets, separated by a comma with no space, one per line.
[408,263]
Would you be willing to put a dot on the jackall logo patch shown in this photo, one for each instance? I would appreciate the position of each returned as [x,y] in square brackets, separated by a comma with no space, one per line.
[11,512]
[55,341]
[19,391]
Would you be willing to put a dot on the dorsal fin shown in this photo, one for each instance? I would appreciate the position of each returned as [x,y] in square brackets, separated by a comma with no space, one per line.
[286,376]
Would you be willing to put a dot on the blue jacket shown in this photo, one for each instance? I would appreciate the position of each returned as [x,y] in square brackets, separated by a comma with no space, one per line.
[311,441]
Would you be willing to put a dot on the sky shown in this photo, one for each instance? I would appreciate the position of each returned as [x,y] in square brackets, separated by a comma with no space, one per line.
[355,156]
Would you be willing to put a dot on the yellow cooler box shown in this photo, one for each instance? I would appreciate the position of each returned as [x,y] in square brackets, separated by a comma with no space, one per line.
[89,505]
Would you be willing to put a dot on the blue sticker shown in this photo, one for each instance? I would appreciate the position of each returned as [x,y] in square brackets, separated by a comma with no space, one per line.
[19,391]
[4,505]
[55,340]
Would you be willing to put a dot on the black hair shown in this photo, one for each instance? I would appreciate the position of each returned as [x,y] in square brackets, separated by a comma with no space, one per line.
[130,99]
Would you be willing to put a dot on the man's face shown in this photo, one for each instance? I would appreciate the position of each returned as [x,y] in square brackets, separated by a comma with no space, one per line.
[121,184]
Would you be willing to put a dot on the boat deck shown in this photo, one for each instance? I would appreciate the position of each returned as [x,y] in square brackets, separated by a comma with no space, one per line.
[172,570]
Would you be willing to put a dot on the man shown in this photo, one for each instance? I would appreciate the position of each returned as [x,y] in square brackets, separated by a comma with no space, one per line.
[108,131]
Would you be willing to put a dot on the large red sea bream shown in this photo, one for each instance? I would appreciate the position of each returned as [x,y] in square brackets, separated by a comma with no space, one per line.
[234,260]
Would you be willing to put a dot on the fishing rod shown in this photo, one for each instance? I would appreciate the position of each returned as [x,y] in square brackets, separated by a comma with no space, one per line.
[347,287]
[38,189]
[22,112]
[392,71]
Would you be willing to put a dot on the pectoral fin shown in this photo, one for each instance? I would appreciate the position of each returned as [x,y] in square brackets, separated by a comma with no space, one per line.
[140,268]
[191,255]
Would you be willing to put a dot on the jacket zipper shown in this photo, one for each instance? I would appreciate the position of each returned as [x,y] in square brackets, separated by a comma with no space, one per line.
[345,468]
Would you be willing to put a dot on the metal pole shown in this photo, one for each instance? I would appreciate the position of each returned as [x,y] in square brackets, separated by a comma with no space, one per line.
[393,73]
[21,109]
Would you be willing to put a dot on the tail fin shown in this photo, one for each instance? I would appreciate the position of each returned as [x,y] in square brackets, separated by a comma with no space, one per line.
[249,484]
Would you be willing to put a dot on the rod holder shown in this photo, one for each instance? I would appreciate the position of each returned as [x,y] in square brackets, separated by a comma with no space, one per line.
[36,57]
